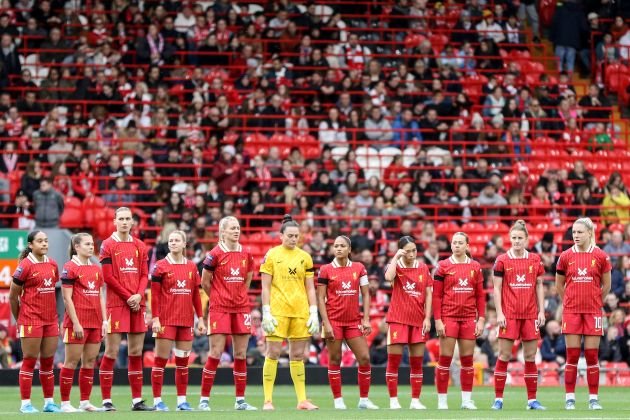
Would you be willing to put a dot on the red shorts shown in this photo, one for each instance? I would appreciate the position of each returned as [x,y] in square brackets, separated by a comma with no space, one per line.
[459,328]
[38,331]
[229,323]
[525,329]
[405,334]
[122,320]
[90,335]
[175,333]
[582,324]
[344,332]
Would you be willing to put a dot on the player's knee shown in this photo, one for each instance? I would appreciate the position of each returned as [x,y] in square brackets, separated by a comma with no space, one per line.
[334,360]
[70,364]
[240,353]
[273,352]
[363,359]
[88,363]
[111,352]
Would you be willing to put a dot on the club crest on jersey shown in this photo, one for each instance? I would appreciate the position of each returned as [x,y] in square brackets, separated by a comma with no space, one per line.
[91,285]
[521,277]
[129,262]
[244,262]
[463,282]
[30,329]
[593,262]
[346,285]
[531,269]
[235,271]
[116,325]
[181,284]
[190,275]
[354,276]
[472,273]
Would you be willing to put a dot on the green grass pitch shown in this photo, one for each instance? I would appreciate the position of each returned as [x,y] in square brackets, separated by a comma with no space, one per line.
[616,402]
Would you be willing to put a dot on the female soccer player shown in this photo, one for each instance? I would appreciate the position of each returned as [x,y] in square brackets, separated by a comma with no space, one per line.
[582,280]
[175,300]
[125,269]
[519,298]
[33,305]
[84,324]
[227,274]
[289,310]
[459,310]
[338,287]
[409,319]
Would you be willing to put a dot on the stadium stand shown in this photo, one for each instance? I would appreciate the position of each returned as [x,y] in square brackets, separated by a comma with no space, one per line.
[367,118]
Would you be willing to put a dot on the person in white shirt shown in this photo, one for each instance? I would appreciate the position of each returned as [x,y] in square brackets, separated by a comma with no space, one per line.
[488,28]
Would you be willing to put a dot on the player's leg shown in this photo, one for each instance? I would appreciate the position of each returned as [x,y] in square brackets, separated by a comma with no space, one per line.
[416,361]
[397,338]
[183,347]
[359,346]
[442,371]
[163,348]
[574,343]
[66,376]
[46,373]
[530,347]
[106,371]
[297,350]
[270,368]
[591,353]
[334,371]
[30,351]
[241,328]
[467,372]
[86,373]
[500,369]
[135,343]
[217,345]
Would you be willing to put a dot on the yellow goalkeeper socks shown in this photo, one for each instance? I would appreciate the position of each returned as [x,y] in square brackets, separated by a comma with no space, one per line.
[270,368]
[299,379]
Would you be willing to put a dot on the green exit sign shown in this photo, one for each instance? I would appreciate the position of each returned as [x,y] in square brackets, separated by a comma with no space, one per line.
[12,242]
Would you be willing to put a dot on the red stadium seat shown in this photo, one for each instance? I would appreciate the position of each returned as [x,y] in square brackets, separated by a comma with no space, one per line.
[72,218]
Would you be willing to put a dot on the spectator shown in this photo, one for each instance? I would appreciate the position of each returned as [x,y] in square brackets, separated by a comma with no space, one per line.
[228,173]
[620,276]
[55,49]
[610,348]
[596,106]
[553,346]
[406,129]
[48,204]
[6,358]
[9,58]
[332,130]
[378,128]
[489,197]
[616,248]
[616,206]
[567,32]
[489,29]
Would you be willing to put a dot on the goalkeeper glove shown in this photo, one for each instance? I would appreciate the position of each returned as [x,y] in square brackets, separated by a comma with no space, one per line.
[269,323]
[313,320]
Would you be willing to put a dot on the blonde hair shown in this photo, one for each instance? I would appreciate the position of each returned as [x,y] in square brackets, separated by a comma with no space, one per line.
[520,225]
[223,224]
[181,233]
[167,229]
[589,225]
[119,209]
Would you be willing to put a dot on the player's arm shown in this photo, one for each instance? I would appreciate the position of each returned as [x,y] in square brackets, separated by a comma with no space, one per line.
[250,272]
[103,311]
[428,307]
[136,299]
[111,276]
[606,282]
[322,290]
[497,283]
[540,299]
[66,291]
[156,294]
[560,277]
[309,283]
[390,272]
[481,304]
[196,296]
[207,274]
[14,297]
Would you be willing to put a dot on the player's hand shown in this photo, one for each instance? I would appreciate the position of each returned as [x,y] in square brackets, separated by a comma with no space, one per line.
[77,330]
[366,327]
[501,321]
[201,326]
[439,328]
[426,326]
[481,323]
[104,328]
[400,253]
[328,332]
[134,302]
[313,320]
[268,323]
[541,319]
[156,325]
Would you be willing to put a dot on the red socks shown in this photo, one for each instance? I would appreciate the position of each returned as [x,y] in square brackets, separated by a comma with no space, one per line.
[207,377]
[442,374]
[592,370]
[47,376]
[415,376]
[240,377]
[391,374]
[531,379]
[334,379]
[157,376]
[500,374]
[26,377]
[66,379]
[181,375]
[106,377]
[86,379]
[467,374]
[570,369]
[134,373]
[364,379]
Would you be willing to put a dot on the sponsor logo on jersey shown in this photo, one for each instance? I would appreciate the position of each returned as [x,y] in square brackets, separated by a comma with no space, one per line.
[48,286]
[346,285]
[91,285]
[582,276]
[463,282]
[292,271]
[520,278]
[129,262]
[235,271]
[520,282]
[181,288]
[462,286]
[346,289]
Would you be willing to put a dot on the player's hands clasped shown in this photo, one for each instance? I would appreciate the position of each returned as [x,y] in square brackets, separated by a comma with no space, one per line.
[313,320]
[134,302]
[269,323]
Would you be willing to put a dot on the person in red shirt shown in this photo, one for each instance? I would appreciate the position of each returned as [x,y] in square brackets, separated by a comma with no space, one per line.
[409,318]
[519,298]
[227,274]
[459,308]
[175,300]
[124,262]
[84,325]
[33,305]
[338,287]
[583,280]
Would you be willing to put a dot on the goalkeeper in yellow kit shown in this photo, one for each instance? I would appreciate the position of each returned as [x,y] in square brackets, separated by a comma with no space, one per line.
[289,310]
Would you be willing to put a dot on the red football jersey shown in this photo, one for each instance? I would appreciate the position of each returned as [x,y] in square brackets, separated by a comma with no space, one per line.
[520,275]
[178,283]
[462,289]
[342,293]
[86,281]
[228,292]
[583,279]
[38,305]
[129,266]
[409,294]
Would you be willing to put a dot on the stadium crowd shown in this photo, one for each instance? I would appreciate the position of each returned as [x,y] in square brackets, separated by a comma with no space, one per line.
[157,103]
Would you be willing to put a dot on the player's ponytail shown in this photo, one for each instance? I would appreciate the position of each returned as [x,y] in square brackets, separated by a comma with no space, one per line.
[520,225]
[589,225]
[287,221]
[76,241]
[29,239]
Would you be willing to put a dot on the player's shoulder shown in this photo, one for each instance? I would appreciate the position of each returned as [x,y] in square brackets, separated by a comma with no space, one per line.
[600,253]
[190,264]
[358,266]
[303,253]
[534,257]
[139,243]
[476,265]
[501,258]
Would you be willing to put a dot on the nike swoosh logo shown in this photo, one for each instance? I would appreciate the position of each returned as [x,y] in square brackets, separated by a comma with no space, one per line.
[117,253]
[571,263]
[451,274]
[509,269]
